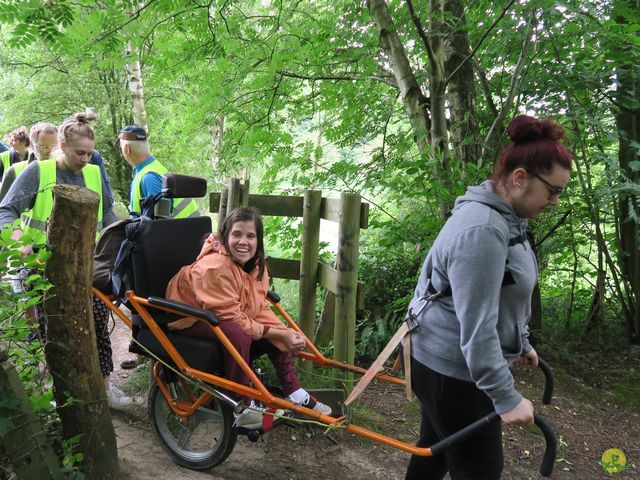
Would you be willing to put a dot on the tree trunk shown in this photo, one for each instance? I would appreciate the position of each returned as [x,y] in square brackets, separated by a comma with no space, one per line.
[628,123]
[595,316]
[120,115]
[437,88]
[22,442]
[415,103]
[134,81]
[217,136]
[461,89]
[430,133]
[535,322]
[71,338]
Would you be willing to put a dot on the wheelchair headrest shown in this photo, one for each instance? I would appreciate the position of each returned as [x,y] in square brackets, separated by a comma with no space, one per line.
[183,186]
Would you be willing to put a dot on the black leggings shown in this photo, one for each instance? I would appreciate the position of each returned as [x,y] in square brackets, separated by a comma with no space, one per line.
[447,406]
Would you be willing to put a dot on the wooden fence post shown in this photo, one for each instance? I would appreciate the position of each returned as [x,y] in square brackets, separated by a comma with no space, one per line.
[222,208]
[70,349]
[22,440]
[347,267]
[233,200]
[309,261]
[244,193]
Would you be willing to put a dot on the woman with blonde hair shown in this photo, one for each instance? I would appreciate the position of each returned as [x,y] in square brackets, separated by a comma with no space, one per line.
[29,202]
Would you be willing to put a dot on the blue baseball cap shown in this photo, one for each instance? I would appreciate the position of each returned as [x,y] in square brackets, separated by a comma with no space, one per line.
[133,132]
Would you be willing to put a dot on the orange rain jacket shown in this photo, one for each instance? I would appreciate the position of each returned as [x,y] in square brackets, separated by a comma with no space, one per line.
[215,282]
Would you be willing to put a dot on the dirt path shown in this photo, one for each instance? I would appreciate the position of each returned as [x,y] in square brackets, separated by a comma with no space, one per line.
[586,422]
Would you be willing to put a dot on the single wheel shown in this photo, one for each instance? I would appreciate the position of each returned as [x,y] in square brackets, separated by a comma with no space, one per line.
[201,441]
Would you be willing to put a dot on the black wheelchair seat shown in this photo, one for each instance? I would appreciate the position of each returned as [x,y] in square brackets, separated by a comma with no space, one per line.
[199,353]
[166,246]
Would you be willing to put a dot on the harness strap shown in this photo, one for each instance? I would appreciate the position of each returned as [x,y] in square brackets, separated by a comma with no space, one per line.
[516,240]
[374,369]
[406,359]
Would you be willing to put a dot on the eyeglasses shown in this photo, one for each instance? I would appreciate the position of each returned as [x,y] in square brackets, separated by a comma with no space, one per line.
[554,191]
[43,148]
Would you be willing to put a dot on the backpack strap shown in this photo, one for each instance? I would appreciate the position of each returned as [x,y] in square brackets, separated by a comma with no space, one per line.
[122,277]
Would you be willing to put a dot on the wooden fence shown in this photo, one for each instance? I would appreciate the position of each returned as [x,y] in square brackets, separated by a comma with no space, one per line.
[345,293]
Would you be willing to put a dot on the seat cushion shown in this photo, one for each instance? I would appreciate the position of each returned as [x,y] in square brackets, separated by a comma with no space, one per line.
[201,354]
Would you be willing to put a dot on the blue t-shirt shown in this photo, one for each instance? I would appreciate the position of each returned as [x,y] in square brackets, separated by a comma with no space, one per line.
[151,183]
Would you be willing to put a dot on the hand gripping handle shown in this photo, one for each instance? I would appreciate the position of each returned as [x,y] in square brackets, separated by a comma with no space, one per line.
[551,448]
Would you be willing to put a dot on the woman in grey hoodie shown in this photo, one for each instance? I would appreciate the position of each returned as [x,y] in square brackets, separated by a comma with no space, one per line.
[482,264]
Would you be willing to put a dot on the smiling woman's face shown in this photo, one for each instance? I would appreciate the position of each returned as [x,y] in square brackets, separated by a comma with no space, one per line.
[243,242]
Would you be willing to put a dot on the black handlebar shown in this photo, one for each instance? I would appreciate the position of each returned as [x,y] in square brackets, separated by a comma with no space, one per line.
[466,432]
[548,384]
[551,447]
[207,315]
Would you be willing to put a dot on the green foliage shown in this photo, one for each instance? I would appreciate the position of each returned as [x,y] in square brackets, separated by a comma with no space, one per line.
[26,350]
[138,381]
[309,101]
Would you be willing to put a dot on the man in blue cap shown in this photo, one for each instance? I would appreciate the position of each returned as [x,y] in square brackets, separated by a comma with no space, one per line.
[148,173]
[147,181]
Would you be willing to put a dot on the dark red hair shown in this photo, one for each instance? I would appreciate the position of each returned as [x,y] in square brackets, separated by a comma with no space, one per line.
[536,145]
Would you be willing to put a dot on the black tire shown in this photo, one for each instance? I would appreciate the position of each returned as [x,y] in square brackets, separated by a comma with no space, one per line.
[207,438]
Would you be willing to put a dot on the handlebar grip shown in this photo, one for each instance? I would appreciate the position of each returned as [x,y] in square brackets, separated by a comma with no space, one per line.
[550,451]
[551,448]
[548,385]
[464,433]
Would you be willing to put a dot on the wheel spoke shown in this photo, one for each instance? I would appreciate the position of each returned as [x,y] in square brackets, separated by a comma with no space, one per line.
[207,415]
[184,436]
[204,440]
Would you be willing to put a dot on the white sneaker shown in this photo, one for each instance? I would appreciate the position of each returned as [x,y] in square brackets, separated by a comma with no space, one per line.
[313,404]
[117,398]
[253,417]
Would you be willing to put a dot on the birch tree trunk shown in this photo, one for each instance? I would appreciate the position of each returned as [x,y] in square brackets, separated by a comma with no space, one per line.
[217,137]
[490,144]
[134,81]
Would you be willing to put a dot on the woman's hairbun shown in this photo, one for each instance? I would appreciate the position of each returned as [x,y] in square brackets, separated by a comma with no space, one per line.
[83,117]
[525,128]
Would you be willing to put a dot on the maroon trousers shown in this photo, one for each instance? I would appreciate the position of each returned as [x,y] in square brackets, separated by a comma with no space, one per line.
[248,349]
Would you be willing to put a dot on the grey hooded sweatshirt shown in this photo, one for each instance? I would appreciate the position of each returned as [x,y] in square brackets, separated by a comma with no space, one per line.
[477,332]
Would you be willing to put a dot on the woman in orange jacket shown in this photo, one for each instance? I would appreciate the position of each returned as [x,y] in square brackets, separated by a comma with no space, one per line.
[230,278]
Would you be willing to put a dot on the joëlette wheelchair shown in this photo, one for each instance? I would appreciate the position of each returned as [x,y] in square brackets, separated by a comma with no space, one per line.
[189,406]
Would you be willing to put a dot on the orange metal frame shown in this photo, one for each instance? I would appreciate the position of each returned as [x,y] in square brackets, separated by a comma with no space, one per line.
[259,392]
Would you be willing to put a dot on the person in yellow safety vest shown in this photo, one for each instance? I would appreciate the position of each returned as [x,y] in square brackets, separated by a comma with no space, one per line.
[19,142]
[43,139]
[148,171]
[31,196]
